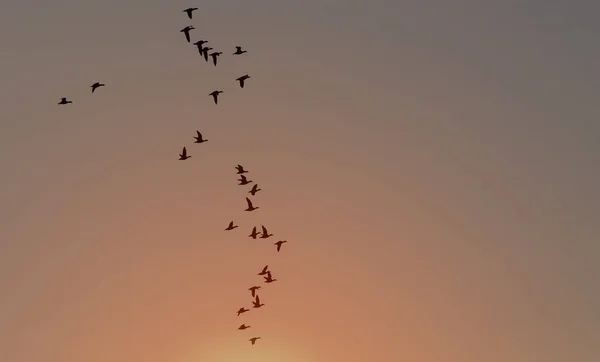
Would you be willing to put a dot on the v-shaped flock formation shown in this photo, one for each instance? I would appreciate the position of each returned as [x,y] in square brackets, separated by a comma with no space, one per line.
[204,51]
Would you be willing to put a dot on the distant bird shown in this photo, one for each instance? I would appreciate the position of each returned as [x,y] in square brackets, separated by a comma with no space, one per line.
[253,340]
[254,233]
[183,155]
[240,169]
[205,52]
[96,85]
[265,234]
[186,31]
[64,100]
[199,44]
[279,243]
[242,79]
[254,190]
[189,11]
[264,270]
[253,290]
[215,94]
[243,326]
[250,206]
[257,303]
[199,138]
[214,56]
[243,181]
[238,51]
[269,278]
[231,226]
[242,310]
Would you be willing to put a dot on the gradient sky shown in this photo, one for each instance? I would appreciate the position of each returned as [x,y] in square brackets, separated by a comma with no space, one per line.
[434,166]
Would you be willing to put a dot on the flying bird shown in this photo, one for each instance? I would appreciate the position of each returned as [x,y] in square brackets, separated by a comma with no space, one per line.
[189,11]
[240,169]
[199,44]
[269,278]
[243,181]
[253,340]
[250,206]
[242,310]
[242,79]
[243,326]
[265,234]
[254,190]
[238,50]
[183,155]
[199,138]
[96,85]
[254,233]
[264,270]
[215,94]
[279,243]
[205,52]
[253,290]
[257,303]
[186,31]
[214,56]
[64,100]
[231,226]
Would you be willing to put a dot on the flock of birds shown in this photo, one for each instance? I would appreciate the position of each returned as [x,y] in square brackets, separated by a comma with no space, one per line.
[204,51]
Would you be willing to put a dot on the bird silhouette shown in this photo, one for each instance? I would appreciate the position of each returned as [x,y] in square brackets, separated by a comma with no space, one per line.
[64,100]
[243,326]
[243,181]
[189,11]
[265,234]
[264,270]
[257,303]
[215,95]
[250,206]
[183,155]
[242,79]
[214,56]
[240,169]
[253,340]
[238,50]
[199,44]
[253,290]
[205,52]
[269,278]
[279,243]
[186,31]
[254,190]
[199,138]
[242,310]
[231,226]
[254,233]
[96,85]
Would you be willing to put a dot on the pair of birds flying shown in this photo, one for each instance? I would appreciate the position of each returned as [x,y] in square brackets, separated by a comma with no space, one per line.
[94,86]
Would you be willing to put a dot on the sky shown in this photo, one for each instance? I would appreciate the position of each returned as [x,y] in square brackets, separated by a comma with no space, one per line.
[434,166]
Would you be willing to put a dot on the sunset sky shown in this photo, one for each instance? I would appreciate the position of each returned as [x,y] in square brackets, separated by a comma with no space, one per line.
[434,166]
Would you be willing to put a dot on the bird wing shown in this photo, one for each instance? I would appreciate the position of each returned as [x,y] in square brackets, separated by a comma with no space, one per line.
[249,202]
[184,152]
[265,269]
[257,299]
[264,230]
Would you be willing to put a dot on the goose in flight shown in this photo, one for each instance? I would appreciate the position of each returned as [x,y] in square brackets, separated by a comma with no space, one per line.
[254,233]
[279,243]
[265,234]
[215,95]
[253,340]
[257,303]
[186,31]
[238,50]
[240,169]
[243,326]
[242,79]
[254,190]
[253,290]
[205,52]
[242,310]
[189,11]
[264,270]
[199,44]
[269,278]
[64,100]
[250,206]
[96,85]
[231,226]
[243,181]
[183,155]
[214,56]
[199,138]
